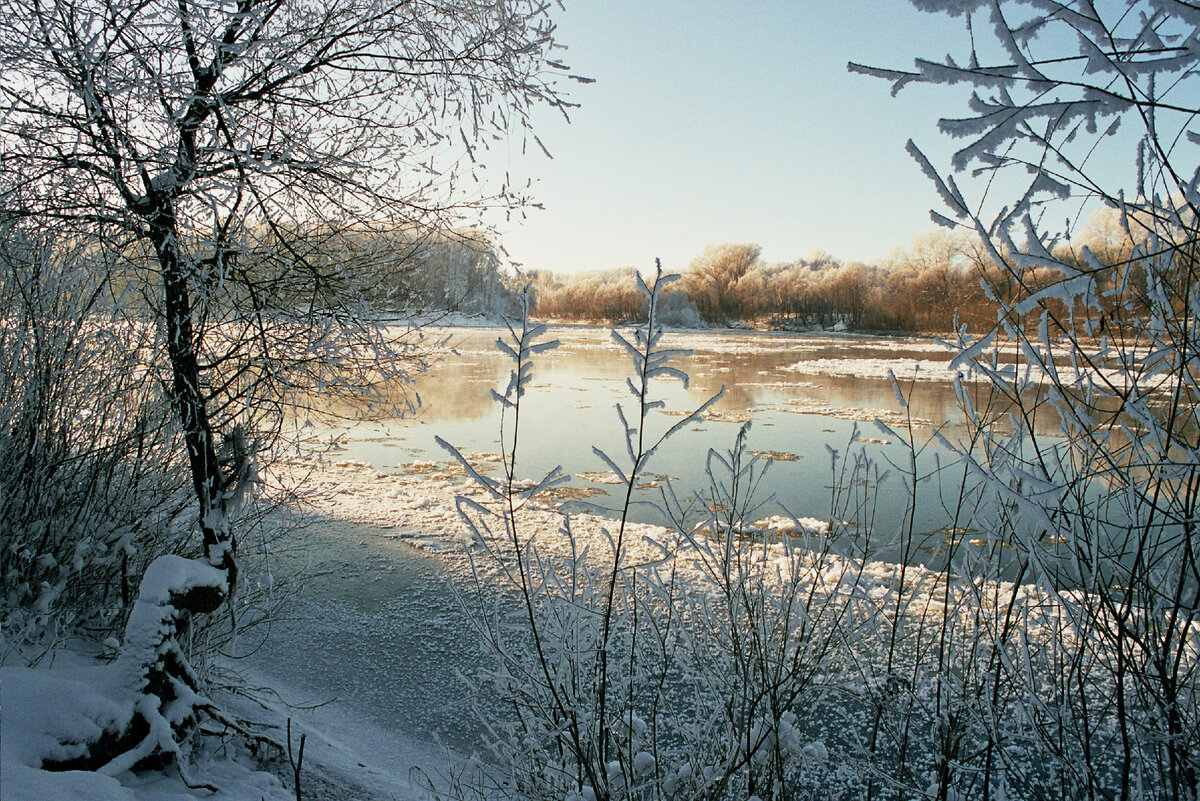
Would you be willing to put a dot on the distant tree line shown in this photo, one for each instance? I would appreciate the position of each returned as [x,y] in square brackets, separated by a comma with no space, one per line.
[938,279]
[941,278]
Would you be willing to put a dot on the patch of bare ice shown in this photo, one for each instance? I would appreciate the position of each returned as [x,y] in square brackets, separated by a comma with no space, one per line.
[599,478]
[777,456]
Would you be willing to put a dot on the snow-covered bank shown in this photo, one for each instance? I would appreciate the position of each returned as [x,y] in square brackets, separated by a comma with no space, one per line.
[336,669]
[44,709]
[349,755]
[378,643]
[912,607]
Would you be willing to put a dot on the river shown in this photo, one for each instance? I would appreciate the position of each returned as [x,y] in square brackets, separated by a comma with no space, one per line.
[378,636]
[806,397]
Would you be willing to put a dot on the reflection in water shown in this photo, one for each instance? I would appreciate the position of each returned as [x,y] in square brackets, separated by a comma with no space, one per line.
[749,366]
[569,408]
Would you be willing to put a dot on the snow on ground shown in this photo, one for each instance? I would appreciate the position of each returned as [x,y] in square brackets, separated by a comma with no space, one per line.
[347,757]
[43,709]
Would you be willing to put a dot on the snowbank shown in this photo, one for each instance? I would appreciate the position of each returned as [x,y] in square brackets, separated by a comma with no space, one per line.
[45,711]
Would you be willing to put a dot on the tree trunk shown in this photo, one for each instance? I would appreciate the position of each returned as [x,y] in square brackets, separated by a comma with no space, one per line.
[207,479]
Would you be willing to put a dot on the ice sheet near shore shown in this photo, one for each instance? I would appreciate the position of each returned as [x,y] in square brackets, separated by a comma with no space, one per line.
[420,509]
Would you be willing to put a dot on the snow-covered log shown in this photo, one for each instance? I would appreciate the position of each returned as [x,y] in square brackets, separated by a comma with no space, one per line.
[152,675]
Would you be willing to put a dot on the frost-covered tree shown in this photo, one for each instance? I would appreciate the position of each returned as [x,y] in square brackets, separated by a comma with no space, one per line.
[215,133]
[610,295]
[1080,105]
[713,276]
[215,152]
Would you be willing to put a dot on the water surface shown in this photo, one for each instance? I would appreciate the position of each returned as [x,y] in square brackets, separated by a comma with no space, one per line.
[806,423]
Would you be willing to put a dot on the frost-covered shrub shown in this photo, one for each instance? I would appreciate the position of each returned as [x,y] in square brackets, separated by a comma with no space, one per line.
[1087,454]
[90,487]
[646,664]
[676,310]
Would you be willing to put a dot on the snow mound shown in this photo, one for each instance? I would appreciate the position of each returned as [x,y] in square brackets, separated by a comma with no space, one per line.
[49,713]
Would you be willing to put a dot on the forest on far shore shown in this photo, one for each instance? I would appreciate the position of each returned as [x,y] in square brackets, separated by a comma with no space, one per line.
[936,282]
[943,280]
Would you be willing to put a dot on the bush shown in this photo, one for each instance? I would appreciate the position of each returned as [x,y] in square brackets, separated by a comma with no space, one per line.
[669,668]
[91,488]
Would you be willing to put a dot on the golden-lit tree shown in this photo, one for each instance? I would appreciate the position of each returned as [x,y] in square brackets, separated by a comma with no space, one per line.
[713,276]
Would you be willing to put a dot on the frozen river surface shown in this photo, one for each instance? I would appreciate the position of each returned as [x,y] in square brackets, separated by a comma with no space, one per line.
[379,638]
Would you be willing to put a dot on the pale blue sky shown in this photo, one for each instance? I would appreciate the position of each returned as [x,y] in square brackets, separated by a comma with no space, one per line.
[733,121]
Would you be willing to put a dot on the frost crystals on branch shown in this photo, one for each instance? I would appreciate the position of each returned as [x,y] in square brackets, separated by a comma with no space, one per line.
[1089,477]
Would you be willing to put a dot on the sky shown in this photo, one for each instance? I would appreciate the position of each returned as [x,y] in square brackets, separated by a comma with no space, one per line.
[717,121]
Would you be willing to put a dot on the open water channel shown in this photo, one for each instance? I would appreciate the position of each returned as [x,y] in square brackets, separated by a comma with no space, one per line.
[806,397]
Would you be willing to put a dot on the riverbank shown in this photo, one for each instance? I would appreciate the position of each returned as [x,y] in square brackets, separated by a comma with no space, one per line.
[375,659]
